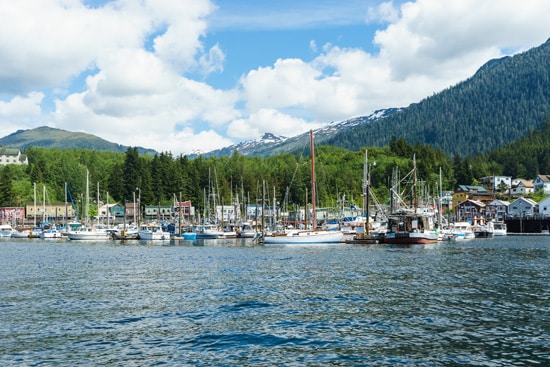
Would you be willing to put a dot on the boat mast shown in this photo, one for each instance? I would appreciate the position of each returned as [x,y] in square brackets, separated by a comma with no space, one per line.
[312,152]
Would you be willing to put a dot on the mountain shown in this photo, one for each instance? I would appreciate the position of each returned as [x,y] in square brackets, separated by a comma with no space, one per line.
[47,137]
[504,100]
[271,144]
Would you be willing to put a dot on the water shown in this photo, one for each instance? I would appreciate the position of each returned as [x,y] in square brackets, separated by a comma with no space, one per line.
[485,302]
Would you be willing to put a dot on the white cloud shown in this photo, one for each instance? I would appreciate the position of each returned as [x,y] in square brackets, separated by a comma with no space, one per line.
[146,66]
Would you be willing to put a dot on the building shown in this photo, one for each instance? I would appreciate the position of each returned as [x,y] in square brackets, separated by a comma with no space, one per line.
[522,207]
[521,187]
[544,207]
[496,183]
[12,215]
[50,212]
[478,193]
[497,209]
[12,156]
[469,209]
[542,182]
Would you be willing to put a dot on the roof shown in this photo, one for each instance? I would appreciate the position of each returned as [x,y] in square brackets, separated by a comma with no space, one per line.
[9,151]
[472,188]
[527,200]
[475,202]
[544,178]
[497,202]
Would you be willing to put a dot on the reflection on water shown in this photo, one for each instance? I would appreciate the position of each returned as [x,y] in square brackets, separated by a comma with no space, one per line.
[483,302]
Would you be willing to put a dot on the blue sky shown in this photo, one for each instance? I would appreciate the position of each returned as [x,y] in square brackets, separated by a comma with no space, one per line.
[188,75]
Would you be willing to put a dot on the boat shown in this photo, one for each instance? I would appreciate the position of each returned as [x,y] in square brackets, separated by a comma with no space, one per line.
[50,231]
[6,231]
[246,230]
[313,235]
[152,232]
[499,228]
[411,226]
[459,231]
[483,229]
[207,232]
[78,232]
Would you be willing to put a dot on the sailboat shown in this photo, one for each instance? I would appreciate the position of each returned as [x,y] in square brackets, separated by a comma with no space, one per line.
[313,236]
[79,232]
[410,226]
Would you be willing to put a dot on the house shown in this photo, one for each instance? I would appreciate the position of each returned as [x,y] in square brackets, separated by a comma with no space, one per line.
[12,156]
[469,209]
[496,183]
[521,187]
[542,182]
[544,207]
[522,207]
[114,210]
[465,192]
[497,209]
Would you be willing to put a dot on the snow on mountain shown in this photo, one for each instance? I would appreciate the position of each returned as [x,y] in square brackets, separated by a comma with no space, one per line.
[270,143]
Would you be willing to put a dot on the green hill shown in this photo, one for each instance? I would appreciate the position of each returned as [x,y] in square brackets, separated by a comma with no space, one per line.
[47,137]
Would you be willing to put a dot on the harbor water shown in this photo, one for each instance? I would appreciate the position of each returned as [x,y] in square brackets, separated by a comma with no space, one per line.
[485,302]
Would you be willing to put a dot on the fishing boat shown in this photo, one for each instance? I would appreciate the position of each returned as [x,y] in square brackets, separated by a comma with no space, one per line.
[483,229]
[411,225]
[152,231]
[313,235]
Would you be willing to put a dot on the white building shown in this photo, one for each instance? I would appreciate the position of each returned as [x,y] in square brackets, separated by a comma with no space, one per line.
[12,156]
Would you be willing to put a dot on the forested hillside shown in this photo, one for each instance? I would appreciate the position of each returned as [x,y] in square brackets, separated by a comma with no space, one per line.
[506,99]
[286,176]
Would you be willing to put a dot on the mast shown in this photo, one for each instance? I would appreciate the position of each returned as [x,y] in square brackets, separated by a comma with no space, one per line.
[312,152]
[35,204]
[366,189]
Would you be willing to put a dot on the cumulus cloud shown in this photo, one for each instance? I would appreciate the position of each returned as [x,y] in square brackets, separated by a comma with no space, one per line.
[137,72]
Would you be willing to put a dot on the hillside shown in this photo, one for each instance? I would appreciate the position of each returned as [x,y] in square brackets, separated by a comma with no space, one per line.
[47,137]
[505,100]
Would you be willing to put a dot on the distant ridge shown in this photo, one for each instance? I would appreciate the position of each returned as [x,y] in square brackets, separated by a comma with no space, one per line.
[48,137]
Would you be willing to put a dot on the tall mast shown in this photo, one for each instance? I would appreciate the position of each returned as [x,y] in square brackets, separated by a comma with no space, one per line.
[314,224]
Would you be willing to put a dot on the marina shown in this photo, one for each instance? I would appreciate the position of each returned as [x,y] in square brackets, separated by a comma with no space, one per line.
[231,302]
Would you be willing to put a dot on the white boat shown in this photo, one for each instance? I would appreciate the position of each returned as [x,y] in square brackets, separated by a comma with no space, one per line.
[6,231]
[151,231]
[246,230]
[499,229]
[459,231]
[207,232]
[77,232]
[313,236]
[50,232]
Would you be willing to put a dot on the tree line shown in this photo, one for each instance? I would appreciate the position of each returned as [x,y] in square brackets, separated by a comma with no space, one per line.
[161,178]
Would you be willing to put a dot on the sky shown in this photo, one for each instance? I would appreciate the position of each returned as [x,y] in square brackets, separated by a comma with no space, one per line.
[197,75]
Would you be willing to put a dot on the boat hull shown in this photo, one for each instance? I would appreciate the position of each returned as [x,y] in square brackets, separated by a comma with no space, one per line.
[406,238]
